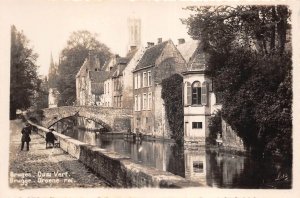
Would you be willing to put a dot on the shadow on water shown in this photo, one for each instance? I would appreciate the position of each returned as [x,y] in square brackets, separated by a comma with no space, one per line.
[210,167]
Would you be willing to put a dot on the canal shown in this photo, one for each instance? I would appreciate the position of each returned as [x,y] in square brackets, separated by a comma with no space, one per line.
[209,166]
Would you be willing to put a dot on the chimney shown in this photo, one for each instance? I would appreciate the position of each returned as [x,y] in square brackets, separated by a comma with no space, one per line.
[159,40]
[90,55]
[150,44]
[181,41]
[132,48]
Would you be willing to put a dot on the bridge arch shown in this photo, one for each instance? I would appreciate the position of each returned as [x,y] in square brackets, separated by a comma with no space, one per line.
[103,124]
[114,119]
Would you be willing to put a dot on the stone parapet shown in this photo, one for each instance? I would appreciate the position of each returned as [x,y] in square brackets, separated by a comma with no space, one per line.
[119,170]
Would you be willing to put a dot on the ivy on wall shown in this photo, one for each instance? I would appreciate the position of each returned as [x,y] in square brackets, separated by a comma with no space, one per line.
[172,96]
[215,128]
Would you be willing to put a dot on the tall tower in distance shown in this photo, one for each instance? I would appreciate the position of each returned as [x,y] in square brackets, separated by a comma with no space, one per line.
[134,29]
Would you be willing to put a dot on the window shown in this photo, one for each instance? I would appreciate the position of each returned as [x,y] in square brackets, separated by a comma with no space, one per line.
[115,101]
[139,102]
[150,101]
[146,120]
[197,125]
[120,101]
[196,93]
[135,102]
[144,79]
[138,80]
[135,81]
[144,101]
[198,167]
[149,78]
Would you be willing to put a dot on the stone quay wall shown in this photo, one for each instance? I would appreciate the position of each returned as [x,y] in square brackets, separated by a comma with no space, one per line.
[117,169]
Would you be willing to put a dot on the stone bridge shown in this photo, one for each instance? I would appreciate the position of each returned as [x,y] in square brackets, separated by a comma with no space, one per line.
[110,118]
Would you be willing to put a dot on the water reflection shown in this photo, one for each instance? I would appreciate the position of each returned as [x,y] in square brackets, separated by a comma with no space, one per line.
[207,166]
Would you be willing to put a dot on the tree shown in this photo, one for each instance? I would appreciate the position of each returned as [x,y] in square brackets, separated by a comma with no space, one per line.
[23,72]
[79,45]
[42,94]
[250,62]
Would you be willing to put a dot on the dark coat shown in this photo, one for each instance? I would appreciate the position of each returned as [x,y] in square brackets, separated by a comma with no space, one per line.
[26,132]
[50,137]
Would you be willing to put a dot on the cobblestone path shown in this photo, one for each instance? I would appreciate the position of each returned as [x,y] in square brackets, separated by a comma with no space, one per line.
[42,168]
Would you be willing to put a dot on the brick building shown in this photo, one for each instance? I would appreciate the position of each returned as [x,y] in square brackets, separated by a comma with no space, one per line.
[158,62]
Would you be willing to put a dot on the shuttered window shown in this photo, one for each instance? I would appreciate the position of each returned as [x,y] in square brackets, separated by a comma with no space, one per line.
[188,98]
[204,94]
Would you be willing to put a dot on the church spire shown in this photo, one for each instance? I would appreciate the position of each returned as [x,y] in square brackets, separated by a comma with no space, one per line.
[53,66]
[51,60]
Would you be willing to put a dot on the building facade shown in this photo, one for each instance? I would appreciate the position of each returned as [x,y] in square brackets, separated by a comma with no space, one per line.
[157,63]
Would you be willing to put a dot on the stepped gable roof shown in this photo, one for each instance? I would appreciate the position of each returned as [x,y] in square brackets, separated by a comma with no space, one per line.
[188,49]
[122,60]
[118,71]
[119,67]
[151,55]
[88,64]
[82,71]
[97,88]
[98,76]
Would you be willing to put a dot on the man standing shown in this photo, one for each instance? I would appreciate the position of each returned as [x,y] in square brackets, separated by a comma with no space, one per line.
[26,132]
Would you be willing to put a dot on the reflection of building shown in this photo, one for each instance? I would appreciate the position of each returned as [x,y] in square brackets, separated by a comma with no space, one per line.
[157,63]
[196,166]
[199,100]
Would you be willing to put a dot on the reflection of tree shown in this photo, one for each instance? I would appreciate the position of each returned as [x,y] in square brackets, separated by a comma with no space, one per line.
[265,173]
[214,169]
[233,171]
[176,161]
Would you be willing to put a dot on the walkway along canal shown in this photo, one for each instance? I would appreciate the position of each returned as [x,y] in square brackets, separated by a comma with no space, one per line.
[42,168]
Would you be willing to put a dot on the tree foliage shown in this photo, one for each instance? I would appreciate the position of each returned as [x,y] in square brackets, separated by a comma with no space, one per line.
[79,45]
[250,60]
[24,81]
[40,101]
[172,95]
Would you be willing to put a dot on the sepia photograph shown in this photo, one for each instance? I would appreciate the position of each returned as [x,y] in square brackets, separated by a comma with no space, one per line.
[151,98]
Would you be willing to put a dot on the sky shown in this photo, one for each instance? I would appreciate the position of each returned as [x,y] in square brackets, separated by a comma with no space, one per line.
[48,24]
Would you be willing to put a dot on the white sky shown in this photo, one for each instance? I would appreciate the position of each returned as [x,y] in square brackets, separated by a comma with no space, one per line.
[48,24]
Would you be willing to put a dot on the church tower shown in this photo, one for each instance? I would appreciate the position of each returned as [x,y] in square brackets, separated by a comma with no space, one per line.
[134,29]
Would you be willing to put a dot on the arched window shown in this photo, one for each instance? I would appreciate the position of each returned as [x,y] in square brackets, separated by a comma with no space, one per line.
[196,93]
